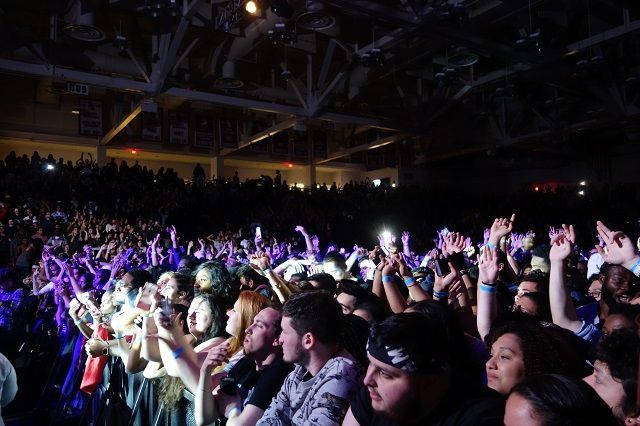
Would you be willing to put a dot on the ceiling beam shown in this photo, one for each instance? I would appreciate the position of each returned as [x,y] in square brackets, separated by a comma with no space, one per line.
[364,147]
[122,124]
[93,79]
[377,10]
[271,131]
[169,56]
[616,32]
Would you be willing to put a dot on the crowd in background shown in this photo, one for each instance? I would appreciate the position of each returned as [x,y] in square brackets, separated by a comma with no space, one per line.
[258,303]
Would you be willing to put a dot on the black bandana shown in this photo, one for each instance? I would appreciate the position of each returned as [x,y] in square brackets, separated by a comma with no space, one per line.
[396,357]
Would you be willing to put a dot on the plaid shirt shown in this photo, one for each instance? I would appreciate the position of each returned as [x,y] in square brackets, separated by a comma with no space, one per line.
[12,305]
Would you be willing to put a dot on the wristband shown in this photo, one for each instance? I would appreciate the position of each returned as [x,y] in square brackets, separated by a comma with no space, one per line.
[267,269]
[234,412]
[488,288]
[490,245]
[635,268]
[409,281]
[177,352]
[441,294]
[387,278]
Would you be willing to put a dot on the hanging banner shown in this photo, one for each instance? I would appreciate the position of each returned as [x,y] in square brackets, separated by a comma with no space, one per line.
[280,143]
[90,117]
[152,126]
[300,144]
[178,128]
[206,133]
[319,144]
[229,133]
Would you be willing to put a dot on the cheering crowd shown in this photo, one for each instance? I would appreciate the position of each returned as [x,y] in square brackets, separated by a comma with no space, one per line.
[141,323]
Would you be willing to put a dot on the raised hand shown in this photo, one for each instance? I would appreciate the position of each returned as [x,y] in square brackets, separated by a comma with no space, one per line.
[453,243]
[560,248]
[301,230]
[618,249]
[516,242]
[405,237]
[569,233]
[500,227]
[488,266]
[391,266]
[216,357]
[443,283]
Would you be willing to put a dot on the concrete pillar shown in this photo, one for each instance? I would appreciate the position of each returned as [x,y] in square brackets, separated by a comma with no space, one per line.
[311,175]
[101,155]
[216,169]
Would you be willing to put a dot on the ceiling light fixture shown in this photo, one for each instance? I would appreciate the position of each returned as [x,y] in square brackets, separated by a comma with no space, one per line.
[251,7]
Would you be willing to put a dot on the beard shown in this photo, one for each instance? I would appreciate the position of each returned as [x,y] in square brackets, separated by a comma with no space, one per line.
[406,410]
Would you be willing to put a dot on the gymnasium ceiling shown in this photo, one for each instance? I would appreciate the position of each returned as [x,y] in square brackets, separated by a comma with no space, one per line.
[451,77]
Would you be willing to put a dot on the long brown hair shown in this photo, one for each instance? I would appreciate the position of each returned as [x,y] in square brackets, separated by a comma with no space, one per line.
[250,304]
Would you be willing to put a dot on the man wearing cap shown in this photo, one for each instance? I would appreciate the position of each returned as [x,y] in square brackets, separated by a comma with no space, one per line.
[409,380]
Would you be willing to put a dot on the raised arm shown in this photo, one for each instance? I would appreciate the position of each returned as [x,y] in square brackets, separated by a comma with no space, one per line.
[562,310]
[487,285]
[397,303]
[307,239]
[406,237]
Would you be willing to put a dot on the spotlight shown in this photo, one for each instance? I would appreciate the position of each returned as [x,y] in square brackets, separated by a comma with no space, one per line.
[376,182]
[290,165]
[583,183]
[134,151]
[75,111]
[251,7]
[50,167]
[537,188]
[282,8]
[580,192]
[393,184]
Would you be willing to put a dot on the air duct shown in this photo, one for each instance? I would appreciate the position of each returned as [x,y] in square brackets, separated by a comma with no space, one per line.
[241,46]
[80,21]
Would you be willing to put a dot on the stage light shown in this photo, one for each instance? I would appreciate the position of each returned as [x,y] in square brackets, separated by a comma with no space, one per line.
[134,151]
[580,192]
[251,7]
[537,188]
[50,167]
[376,182]
[583,183]
[289,165]
[75,111]
[300,185]
[393,185]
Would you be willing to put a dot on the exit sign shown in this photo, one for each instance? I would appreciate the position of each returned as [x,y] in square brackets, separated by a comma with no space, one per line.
[77,88]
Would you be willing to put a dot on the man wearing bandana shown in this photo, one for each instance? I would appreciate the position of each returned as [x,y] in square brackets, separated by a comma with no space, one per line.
[410,380]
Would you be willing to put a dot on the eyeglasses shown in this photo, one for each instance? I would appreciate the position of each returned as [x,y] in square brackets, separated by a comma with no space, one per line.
[595,293]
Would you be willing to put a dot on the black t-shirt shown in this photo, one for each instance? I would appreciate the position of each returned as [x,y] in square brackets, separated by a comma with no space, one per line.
[466,404]
[259,387]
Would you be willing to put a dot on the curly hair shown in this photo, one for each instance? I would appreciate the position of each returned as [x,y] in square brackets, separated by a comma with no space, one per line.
[221,281]
[540,354]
